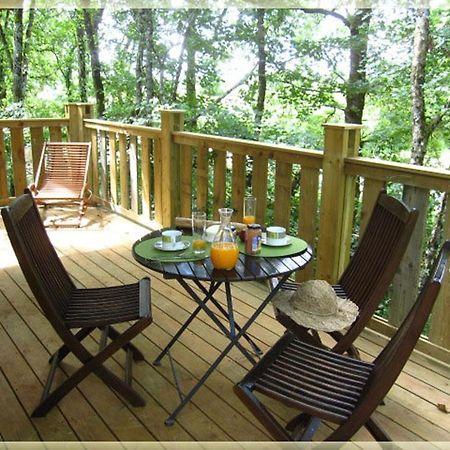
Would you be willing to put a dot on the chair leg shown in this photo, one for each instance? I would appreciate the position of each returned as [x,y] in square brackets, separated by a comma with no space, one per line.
[93,364]
[306,434]
[261,413]
[377,431]
[299,420]
[63,351]
[81,212]
[137,354]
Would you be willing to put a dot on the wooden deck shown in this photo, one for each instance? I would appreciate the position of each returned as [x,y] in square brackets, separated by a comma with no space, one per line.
[99,255]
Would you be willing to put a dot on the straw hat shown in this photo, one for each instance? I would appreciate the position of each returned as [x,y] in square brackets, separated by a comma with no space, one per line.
[315,305]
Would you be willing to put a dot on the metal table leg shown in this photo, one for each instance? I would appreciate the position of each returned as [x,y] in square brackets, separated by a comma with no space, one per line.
[213,288]
[233,341]
[255,348]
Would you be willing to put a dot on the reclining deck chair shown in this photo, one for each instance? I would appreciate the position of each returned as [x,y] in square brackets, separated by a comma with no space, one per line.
[62,175]
[332,387]
[74,313]
[369,272]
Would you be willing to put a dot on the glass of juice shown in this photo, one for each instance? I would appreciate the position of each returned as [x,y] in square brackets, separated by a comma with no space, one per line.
[198,232]
[249,210]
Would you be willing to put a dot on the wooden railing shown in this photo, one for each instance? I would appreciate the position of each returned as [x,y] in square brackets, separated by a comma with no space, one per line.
[156,174]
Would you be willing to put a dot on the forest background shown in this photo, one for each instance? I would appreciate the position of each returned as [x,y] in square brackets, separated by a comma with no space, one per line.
[273,75]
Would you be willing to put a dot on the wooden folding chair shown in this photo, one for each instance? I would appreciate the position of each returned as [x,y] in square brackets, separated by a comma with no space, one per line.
[74,313]
[369,272]
[332,387]
[61,177]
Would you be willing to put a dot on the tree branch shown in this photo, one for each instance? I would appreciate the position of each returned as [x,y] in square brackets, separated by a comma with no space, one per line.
[436,120]
[327,12]
[236,85]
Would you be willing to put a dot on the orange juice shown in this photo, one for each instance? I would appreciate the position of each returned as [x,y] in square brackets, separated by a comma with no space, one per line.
[224,255]
[248,220]
[198,244]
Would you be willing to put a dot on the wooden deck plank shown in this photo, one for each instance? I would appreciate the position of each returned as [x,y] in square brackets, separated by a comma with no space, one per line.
[15,424]
[100,254]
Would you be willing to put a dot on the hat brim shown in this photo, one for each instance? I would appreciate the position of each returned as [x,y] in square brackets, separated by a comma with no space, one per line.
[346,313]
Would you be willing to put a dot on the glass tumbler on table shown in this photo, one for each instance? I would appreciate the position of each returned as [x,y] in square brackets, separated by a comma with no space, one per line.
[198,232]
[249,210]
[224,249]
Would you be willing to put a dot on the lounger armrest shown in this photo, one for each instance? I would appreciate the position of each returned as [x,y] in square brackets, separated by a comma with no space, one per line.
[86,192]
[33,188]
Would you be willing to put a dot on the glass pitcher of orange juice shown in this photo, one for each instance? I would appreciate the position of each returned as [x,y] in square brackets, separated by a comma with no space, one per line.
[224,249]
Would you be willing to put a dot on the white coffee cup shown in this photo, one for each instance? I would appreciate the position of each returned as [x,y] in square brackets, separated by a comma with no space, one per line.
[275,235]
[170,239]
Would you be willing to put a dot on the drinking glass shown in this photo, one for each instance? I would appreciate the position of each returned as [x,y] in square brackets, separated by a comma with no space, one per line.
[249,210]
[198,232]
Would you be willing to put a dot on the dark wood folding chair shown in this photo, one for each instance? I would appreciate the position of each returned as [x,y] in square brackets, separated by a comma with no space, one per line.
[74,313]
[61,177]
[332,387]
[369,272]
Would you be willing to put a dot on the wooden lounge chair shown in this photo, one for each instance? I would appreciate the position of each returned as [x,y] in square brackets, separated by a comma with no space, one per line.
[74,313]
[369,272]
[332,387]
[62,175]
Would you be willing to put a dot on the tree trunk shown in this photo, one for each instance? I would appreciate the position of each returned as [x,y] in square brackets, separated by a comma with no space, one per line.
[420,49]
[81,54]
[18,79]
[20,53]
[149,46]
[406,286]
[262,83]
[191,94]
[192,14]
[91,21]
[2,80]
[357,84]
[139,17]
[358,25]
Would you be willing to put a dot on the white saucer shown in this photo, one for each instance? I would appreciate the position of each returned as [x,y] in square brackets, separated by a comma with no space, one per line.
[182,245]
[282,242]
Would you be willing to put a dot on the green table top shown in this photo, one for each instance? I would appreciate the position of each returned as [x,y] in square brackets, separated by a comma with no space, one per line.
[147,250]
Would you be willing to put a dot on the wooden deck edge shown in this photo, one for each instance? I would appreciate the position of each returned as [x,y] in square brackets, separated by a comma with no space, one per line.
[433,352]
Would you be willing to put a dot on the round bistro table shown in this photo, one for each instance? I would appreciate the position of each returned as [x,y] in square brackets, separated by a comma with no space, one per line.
[281,264]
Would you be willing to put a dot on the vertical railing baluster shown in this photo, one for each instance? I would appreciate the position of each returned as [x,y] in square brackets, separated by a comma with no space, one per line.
[113,167]
[146,177]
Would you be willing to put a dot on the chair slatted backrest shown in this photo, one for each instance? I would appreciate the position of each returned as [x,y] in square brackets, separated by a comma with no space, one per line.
[64,163]
[37,257]
[373,266]
[394,356]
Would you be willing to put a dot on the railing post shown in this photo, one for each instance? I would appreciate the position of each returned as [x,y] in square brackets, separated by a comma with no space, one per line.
[171,120]
[440,331]
[77,112]
[337,200]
